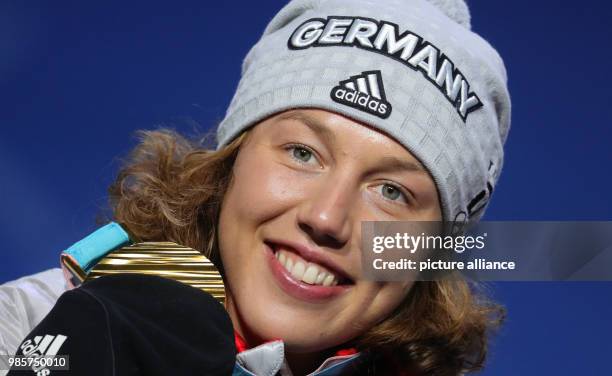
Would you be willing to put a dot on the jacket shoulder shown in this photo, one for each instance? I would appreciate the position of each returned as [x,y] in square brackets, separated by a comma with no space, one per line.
[24,302]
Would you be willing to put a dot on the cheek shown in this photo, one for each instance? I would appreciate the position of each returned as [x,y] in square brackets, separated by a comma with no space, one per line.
[385,302]
[262,189]
[261,192]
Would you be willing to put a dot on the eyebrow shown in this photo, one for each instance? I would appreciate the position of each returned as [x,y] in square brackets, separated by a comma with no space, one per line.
[311,123]
[390,162]
[393,163]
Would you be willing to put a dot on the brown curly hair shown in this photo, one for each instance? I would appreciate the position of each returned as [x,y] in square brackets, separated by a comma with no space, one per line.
[171,189]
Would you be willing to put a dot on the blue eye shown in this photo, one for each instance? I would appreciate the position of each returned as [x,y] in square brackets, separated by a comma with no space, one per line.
[301,153]
[393,193]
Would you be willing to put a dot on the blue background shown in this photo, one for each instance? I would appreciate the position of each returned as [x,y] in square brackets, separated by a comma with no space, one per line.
[78,78]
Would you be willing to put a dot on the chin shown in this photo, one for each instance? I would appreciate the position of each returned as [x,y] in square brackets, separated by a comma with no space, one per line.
[301,331]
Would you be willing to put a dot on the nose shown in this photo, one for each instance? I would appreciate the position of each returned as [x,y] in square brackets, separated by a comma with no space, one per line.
[326,214]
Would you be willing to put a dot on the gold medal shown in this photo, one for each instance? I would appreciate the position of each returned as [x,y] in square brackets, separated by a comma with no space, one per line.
[164,259]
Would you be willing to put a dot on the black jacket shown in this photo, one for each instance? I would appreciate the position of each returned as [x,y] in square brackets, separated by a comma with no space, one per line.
[131,324]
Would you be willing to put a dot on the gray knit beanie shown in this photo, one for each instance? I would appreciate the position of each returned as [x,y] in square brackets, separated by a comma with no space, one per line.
[410,68]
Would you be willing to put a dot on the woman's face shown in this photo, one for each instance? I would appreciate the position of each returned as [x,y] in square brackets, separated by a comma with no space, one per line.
[290,227]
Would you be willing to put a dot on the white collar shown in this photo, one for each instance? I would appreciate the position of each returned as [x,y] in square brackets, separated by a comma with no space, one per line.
[268,359]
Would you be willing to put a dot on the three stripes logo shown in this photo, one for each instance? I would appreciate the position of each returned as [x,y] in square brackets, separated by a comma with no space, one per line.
[42,346]
[364,92]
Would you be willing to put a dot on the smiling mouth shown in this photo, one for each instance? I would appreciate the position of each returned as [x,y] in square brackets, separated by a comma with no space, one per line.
[307,272]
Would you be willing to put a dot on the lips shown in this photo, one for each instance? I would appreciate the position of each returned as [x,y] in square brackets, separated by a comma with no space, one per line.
[312,256]
[300,275]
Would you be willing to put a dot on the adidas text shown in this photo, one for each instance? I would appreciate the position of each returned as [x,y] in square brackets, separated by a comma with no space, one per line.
[364,92]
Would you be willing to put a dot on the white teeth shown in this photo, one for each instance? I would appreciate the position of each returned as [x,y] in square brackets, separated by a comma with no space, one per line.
[328,280]
[320,278]
[298,270]
[310,273]
[289,265]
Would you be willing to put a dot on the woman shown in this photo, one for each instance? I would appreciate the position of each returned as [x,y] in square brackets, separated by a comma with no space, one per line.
[347,111]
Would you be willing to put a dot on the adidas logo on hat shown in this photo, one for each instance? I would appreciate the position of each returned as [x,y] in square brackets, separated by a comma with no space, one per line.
[364,92]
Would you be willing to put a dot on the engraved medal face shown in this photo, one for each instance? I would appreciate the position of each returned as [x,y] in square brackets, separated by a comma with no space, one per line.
[164,259]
